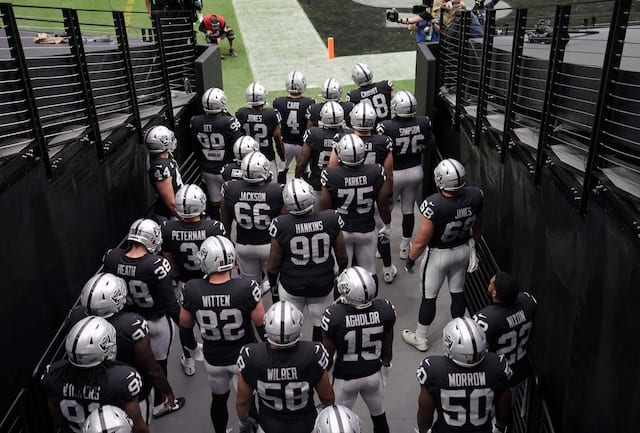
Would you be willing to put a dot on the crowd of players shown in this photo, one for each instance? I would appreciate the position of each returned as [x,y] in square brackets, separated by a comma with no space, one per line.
[310,241]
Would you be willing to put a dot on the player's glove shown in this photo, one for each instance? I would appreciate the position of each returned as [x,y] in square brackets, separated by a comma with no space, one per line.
[249,425]
[409,264]
[392,15]
[385,232]
[275,295]
[499,428]
[473,257]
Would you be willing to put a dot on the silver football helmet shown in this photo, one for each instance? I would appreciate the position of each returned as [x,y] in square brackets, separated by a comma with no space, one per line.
[449,175]
[296,82]
[404,104]
[104,295]
[361,74]
[90,342]
[331,115]
[214,101]
[255,168]
[283,324]
[256,95]
[351,151]
[298,196]
[191,201]
[160,139]
[331,90]
[464,341]
[108,419]
[217,254]
[337,419]
[363,116]
[244,146]
[146,232]
[357,287]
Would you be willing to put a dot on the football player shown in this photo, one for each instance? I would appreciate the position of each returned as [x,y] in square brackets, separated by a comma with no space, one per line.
[448,218]
[163,169]
[107,419]
[241,148]
[466,386]
[359,330]
[410,135]
[293,109]
[379,93]
[331,91]
[303,245]
[336,419]
[507,322]
[252,203]
[216,131]
[351,189]
[181,240]
[224,309]
[88,378]
[262,123]
[283,372]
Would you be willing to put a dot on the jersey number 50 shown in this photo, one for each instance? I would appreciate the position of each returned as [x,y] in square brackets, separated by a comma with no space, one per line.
[279,396]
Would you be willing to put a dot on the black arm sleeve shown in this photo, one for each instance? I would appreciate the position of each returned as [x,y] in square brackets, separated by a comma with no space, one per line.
[425,16]
[168,299]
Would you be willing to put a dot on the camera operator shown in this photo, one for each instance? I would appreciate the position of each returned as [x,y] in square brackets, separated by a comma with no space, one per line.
[450,18]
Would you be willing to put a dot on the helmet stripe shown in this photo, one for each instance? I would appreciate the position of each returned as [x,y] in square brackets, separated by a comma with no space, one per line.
[295,196]
[77,338]
[184,199]
[473,338]
[224,250]
[339,418]
[456,170]
[283,312]
[353,146]
[103,421]
[249,165]
[362,283]
[93,288]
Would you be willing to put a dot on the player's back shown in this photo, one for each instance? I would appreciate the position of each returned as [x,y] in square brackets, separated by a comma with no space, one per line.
[313,112]
[231,171]
[260,124]
[408,136]
[378,93]
[294,120]
[216,135]
[321,140]
[377,147]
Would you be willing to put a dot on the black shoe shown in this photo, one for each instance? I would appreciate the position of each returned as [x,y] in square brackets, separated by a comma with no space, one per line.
[233,53]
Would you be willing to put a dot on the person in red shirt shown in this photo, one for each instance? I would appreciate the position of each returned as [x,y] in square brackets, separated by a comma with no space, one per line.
[215,28]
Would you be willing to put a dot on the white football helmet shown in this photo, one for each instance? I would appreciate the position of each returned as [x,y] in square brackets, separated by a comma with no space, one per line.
[337,419]
[363,116]
[214,101]
[331,90]
[146,232]
[283,324]
[90,342]
[464,341]
[217,254]
[361,74]
[160,139]
[244,146]
[331,115]
[357,287]
[351,151]
[296,82]
[449,175]
[255,168]
[256,95]
[404,104]
[104,295]
[191,201]
[108,419]
[298,196]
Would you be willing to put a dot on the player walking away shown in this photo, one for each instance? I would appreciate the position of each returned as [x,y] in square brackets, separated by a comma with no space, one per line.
[351,189]
[181,240]
[507,323]
[336,418]
[466,386]
[303,245]
[331,91]
[359,328]
[89,378]
[107,419]
[224,308]
[241,148]
[293,109]
[150,287]
[283,372]
[410,135]
[448,218]
[380,93]
[262,123]
[216,131]
[252,203]
[163,169]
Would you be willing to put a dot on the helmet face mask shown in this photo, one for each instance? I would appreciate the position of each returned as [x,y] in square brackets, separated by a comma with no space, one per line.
[160,139]
[331,115]
[296,82]
[361,74]
[351,150]
[449,175]
[108,419]
[464,342]
[331,90]
[216,254]
[214,101]
[255,168]
[104,295]
[357,287]
[283,324]
[298,197]
[191,201]
[146,232]
[256,95]
[90,342]
[337,419]
[363,116]
[404,104]
[244,146]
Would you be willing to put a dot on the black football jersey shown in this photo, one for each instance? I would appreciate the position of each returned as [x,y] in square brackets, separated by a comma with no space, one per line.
[216,135]
[253,207]
[231,171]
[377,148]
[149,284]
[358,335]
[77,394]
[294,120]
[378,93]
[409,136]
[284,380]
[508,328]
[452,217]
[260,125]
[307,242]
[159,170]
[354,190]
[464,396]
[321,141]
[183,239]
[313,112]
[223,314]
